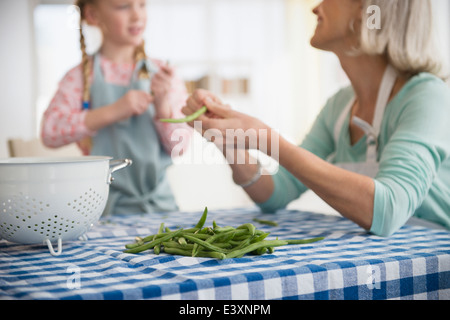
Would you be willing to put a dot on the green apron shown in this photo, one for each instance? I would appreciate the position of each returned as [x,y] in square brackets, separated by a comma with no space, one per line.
[144,186]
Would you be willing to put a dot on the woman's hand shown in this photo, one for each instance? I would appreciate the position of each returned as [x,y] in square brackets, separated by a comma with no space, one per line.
[160,88]
[197,101]
[224,126]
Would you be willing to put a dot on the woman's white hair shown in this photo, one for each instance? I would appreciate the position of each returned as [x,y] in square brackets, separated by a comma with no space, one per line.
[405,35]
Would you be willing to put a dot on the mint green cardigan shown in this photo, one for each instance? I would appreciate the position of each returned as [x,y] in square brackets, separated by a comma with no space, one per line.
[414,155]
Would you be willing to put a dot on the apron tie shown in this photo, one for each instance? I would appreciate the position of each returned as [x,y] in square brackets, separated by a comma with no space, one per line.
[370,166]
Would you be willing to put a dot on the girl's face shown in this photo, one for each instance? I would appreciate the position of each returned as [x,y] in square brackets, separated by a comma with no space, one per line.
[121,21]
[334,20]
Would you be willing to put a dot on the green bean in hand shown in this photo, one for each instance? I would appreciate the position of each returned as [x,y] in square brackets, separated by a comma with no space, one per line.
[189,118]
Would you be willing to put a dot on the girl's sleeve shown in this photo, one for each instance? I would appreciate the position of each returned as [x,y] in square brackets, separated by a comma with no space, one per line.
[411,159]
[175,137]
[63,121]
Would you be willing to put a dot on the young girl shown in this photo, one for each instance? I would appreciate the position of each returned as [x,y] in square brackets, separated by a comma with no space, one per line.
[111,105]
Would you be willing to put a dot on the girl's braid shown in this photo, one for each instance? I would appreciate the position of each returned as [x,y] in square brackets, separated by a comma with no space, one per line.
[85,61]
[139,55]
[85,143]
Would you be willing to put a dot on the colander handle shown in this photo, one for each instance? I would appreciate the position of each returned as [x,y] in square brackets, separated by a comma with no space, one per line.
[115,165]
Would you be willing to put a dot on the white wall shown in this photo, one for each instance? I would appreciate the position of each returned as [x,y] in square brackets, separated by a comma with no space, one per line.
[442,25]
[17,88]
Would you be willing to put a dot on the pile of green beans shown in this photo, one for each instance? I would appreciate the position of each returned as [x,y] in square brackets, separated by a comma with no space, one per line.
[211,242]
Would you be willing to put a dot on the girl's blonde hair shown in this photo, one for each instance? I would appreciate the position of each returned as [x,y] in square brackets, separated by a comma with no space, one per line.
[405,36]
[86,62]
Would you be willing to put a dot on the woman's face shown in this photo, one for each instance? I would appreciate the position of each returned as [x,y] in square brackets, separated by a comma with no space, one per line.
[334,20]
[121,21]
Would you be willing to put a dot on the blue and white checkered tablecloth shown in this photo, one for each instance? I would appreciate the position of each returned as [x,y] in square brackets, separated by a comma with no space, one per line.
[349,264]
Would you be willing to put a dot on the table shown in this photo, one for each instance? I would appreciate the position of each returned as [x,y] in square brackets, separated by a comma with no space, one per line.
[349,263]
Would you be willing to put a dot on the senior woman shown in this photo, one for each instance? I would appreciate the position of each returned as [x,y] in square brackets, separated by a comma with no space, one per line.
[379,151]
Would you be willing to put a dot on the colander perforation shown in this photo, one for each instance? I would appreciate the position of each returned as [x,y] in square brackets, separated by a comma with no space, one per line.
[9,228]
[89,205]
[23,205]
[53,227]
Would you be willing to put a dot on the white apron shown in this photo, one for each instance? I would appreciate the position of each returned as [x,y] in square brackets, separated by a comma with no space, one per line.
[310,200]
[371,166]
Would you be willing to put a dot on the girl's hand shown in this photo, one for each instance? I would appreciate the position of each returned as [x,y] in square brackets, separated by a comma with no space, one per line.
[160,88]
[224,126]
[133,103]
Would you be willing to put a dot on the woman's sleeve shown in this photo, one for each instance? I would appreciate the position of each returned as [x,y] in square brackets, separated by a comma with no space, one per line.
[63,121]
[411,160]
[318,141]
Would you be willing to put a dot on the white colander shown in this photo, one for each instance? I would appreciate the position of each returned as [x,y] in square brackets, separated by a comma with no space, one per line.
[43,200]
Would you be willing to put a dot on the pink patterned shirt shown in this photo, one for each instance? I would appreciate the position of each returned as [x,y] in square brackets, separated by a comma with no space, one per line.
[64,120]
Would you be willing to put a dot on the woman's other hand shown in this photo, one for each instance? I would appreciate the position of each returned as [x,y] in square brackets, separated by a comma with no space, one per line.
[197,100]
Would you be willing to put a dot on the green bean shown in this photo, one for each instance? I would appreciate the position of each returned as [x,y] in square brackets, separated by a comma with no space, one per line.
[243,243]
[135,244]
[203,231]
[205,244]
[190,246]
[260,251]
[157,248]
[224,237]
[197,235]
[139,241]
[212,254]
[267,222]
[250,227]
[202,220]
[242,236]
[142,241]
[191,230]
[182,241]
[195,249]
[304,241]
[255,246]
[260,237]
[153,243]
[189,118]
[223,229]
[205,254]
[176,244]
[202,234]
